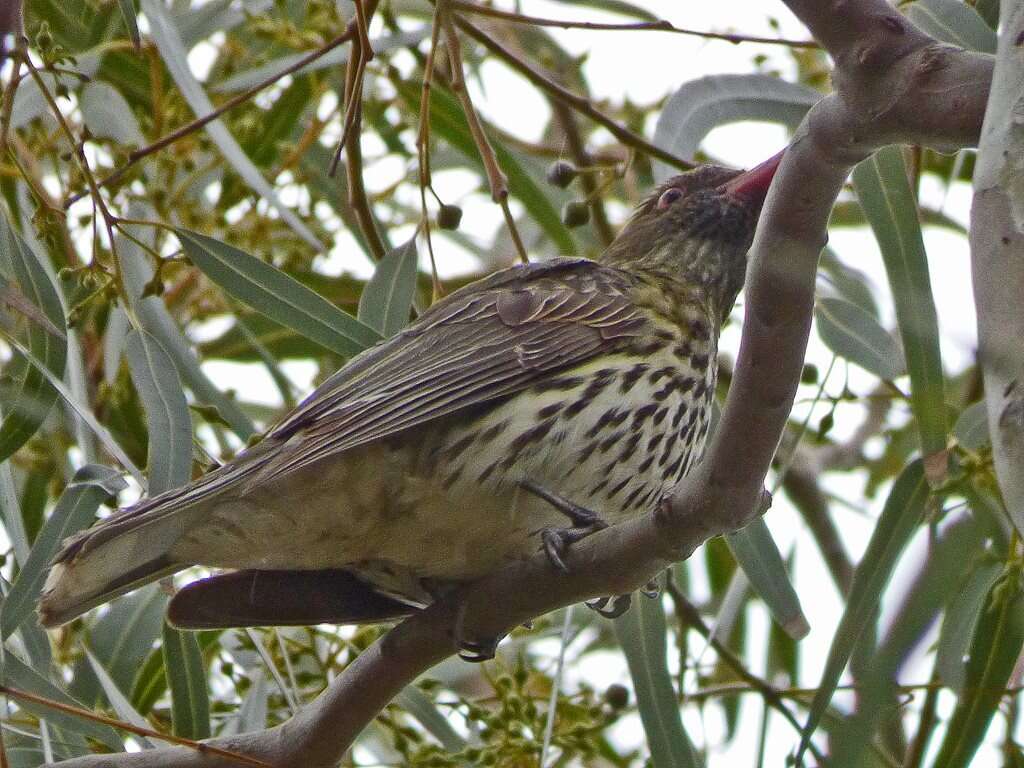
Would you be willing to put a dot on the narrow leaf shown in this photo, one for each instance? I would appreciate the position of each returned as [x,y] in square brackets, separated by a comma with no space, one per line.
[899,519]
[856,336]
[186,678]
[641,632]
[958,626]
[889,204]
[755,551]
[169,463]
[276,295]
[27,396]
[385,302]
[700,105]
[128,12]
[76,509]
[995,648]
[175,56]
[953,22]
[971,427]
[19,675]
[118,700]
[419,705]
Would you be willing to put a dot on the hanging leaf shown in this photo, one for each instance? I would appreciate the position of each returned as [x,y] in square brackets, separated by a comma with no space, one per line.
[856,336]
[186,678]
[641,632]
[387,298]
[889,204]
[278,296]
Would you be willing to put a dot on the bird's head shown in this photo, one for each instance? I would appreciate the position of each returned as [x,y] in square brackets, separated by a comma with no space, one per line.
[697,226]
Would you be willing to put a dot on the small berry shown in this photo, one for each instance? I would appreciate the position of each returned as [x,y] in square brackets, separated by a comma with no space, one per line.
[575,213]
[449,216]
[561,173]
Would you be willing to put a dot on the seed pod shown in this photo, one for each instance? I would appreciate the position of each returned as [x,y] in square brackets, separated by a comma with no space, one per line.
[575,213]
[617,696]
[449,216]
[561,173]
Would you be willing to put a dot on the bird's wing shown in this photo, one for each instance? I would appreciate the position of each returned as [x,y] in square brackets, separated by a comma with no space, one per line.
[486,341]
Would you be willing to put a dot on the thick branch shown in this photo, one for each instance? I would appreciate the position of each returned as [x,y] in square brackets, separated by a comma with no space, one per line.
[894,84]
[997,261]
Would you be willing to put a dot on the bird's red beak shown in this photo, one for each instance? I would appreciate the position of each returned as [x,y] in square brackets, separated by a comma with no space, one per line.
[753,184]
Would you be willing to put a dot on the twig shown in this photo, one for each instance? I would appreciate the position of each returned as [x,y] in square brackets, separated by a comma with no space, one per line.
[423,147]
[228,105]
[86,714]
[688,612]
[495,176]
[575,101]
[653,26]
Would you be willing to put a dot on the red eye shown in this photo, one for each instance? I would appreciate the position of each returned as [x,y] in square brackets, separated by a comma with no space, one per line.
[668,197]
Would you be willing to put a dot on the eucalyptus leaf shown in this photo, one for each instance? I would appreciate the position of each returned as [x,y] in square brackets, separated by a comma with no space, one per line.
[107,114]
[387,298]
[186,678]
[90,487]
[175,56]
[971,427]
[958,627]
[118,700]
[276,295]
[900,517]
[641,632]
[759,557]
[952,22]
[856,336]
[167,414]
[700,105]
[891,208]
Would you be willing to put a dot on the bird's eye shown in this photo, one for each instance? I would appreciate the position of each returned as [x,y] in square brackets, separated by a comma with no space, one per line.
[668,197]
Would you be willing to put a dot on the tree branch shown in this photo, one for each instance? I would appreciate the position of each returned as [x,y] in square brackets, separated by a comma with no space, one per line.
[997,262]
[894,84]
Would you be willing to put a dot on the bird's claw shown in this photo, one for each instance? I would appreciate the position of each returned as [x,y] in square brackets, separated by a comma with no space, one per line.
[651,589]
[474,651]
[555,541]
[619,605]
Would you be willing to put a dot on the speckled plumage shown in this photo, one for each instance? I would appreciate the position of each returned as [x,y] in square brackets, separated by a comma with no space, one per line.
[591,379]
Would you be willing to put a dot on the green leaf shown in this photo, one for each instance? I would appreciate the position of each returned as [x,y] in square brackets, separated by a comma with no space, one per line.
[175,56]
[118,700]
[107,114]
[82,410]
[448,122]
[418,704]
[995,648]
[953,22]
[961,619]
[899,519]
[889,204]
[92,485]
[121,638]
[186,678]
[17,674]
[154,318]
[641,632]
[26,396]
[708,102]
[847,282]
[856,336]
[150,681]
[128,12]
[755,551]
[167,415]
[387,298]
[878,694]
[971,427]
[276,295]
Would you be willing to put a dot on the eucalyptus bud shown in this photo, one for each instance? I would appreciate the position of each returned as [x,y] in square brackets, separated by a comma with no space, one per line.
[449,216]
[561,173]
[575,213]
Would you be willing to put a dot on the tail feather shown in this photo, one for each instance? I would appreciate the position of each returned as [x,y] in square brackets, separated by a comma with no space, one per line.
[133,547]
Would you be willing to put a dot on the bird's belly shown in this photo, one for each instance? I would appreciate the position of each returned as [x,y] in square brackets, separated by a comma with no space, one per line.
[446,504]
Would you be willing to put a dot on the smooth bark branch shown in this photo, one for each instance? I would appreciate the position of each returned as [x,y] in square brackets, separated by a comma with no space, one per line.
[893,84]
[997,259]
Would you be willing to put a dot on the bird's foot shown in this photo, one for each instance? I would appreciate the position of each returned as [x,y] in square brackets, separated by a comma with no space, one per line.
[474,651]
[618,606]
[651,589]
[556,541]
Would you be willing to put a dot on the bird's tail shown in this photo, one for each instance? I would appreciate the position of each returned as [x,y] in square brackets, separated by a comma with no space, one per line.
[133,547]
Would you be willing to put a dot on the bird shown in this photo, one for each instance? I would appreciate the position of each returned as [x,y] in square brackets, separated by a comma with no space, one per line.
[570,387]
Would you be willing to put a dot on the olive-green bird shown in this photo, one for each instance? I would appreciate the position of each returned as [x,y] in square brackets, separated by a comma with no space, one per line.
[462,442]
